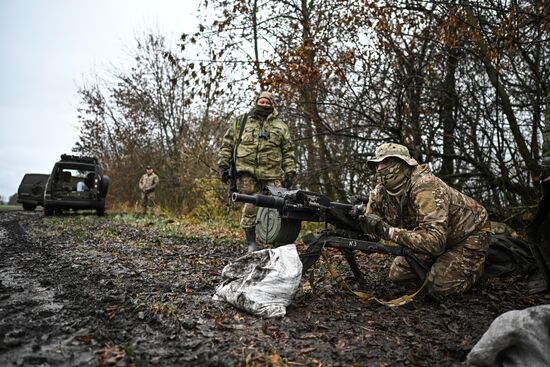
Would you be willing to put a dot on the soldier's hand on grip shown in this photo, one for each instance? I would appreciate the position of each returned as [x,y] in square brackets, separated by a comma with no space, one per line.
[373,224]
[224,174]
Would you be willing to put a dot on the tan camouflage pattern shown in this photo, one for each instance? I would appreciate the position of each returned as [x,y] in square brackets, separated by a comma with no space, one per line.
[148,199]
[388,150]
[261,158]
[248,185]
[148,182]
[454,272]
[503,228]
[437,222]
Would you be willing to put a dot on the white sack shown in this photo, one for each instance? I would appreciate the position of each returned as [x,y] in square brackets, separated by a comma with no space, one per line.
[262,282]
[515,338]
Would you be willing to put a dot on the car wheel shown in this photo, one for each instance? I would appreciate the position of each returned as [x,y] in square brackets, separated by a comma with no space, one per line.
[100,212]
[48,210]
[29,207]
[104,186]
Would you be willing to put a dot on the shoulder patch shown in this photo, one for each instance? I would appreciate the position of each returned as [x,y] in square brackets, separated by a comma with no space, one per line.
[426,202]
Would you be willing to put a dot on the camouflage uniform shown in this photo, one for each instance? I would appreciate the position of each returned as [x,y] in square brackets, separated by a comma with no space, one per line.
[264,154]
[441,225]
[147,185]
[247,184]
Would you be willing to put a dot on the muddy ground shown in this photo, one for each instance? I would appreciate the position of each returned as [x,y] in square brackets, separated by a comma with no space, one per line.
[98,292]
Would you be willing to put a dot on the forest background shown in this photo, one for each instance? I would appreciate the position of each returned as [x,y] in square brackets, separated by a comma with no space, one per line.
[461,83]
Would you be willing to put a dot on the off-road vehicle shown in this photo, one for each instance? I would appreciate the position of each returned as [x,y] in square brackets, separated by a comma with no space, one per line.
[31,190]
[76,183]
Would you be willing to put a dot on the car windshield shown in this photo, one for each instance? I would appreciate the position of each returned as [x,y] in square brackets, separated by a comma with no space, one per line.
[76,177]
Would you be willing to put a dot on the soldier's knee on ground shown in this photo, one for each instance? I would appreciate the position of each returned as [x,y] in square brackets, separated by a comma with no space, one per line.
[400,271]
[446,287]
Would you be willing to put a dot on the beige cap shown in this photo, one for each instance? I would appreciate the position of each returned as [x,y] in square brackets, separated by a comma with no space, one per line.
[387,150]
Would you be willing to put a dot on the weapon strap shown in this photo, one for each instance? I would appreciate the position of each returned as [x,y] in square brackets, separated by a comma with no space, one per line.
[239,139]
[332,272]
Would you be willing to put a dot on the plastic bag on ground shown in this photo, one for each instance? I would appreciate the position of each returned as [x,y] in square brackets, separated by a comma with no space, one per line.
[262,282]
[515,338]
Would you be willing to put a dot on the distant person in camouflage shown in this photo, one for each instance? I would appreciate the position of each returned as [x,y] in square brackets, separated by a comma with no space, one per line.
[263,156]
[148,183]
[442,226]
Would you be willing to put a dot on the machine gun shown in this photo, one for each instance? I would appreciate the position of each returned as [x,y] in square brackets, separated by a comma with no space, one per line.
[282,212]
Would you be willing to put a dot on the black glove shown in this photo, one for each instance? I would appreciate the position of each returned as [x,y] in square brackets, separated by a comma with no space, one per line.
[373,224]
[288,180]
[224,174]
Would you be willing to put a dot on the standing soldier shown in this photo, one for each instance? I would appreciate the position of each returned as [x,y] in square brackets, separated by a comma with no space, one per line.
[413,208]
[259,144]
[147,185]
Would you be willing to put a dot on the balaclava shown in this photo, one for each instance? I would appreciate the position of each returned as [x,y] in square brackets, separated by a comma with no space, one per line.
[395,176]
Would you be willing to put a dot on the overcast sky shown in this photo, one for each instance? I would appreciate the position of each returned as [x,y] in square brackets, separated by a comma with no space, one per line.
[47,49]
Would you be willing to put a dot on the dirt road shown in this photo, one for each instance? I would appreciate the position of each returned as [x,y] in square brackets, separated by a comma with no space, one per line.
[88,291]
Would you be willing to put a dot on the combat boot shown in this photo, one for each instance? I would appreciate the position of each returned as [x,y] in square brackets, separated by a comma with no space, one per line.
[250,234]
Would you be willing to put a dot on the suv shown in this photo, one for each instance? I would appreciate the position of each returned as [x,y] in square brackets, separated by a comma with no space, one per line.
[31,190]
[76,183]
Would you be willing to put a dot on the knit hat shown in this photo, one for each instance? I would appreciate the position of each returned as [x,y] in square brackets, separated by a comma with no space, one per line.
[266,95]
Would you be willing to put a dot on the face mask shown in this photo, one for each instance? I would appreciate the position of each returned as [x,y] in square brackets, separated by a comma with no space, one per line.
[395,176]
[263,111]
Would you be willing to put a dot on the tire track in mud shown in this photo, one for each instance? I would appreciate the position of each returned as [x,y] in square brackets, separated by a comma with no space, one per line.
[70,302]
[29,304]
[106,293]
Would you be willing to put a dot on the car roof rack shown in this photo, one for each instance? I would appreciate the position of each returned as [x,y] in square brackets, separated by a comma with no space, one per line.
[82,159]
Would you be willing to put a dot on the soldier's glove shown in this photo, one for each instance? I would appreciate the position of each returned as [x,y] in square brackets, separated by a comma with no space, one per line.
[224,174]
[288,180]
[373,224]
[545,165]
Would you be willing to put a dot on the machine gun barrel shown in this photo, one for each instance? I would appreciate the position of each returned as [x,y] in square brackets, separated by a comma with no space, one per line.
[264,201]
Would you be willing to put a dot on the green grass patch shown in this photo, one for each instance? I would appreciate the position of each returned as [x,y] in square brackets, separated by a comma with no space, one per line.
[10,207]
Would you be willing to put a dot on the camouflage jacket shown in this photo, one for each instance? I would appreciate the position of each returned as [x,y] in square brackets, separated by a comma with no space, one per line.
[264,158]
[430,216]
[148,183]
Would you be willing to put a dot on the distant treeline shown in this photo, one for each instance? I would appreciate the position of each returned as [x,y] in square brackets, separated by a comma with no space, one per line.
[463,86]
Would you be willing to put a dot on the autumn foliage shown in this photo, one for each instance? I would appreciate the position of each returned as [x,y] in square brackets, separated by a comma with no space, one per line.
[462,84]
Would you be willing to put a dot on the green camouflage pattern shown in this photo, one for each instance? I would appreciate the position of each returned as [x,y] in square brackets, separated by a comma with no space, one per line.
[248,185]
[265,159]
[439,223]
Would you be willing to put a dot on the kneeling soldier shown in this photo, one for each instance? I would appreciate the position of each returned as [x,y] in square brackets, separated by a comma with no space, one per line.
[413,208]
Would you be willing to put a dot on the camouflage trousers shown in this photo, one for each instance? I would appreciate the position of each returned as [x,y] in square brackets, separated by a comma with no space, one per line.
[249,185]
[148,200]
[453,272]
